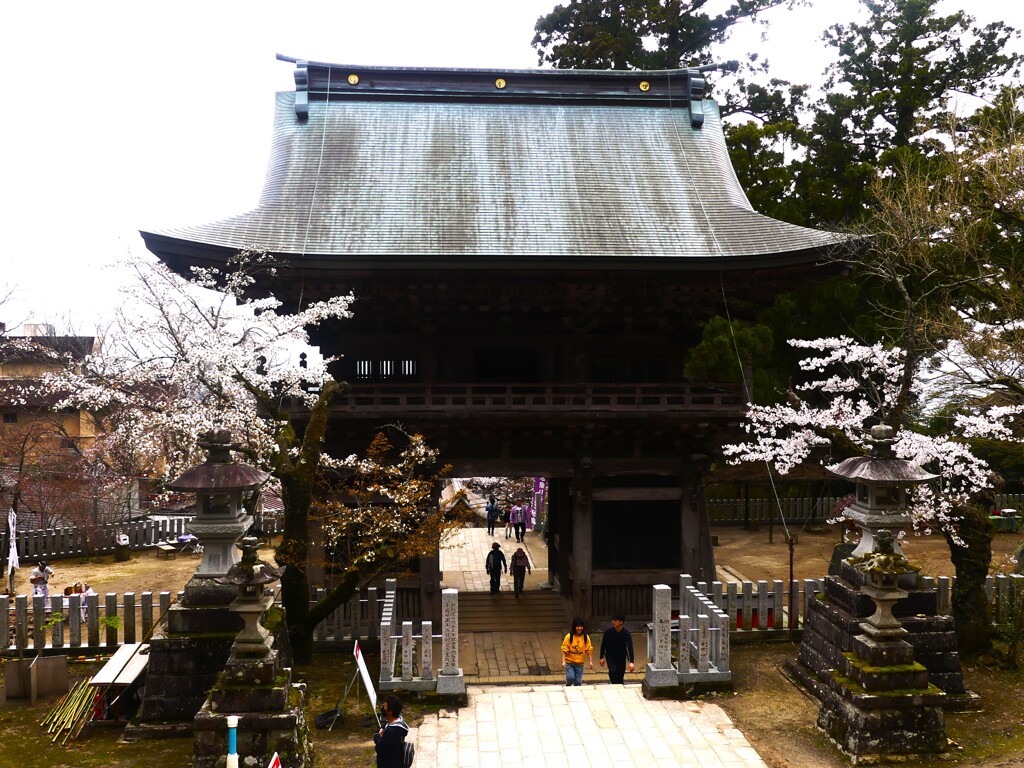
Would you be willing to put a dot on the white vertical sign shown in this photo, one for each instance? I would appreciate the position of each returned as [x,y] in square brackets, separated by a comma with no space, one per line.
[365,674]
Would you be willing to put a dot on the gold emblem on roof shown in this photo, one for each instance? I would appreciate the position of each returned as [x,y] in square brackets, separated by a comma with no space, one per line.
[645,86]
[500,83]
[353,79]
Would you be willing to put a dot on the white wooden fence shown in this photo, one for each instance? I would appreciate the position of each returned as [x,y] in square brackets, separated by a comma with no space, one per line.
[701,634]
[58,543]
[750,610]
[417,669]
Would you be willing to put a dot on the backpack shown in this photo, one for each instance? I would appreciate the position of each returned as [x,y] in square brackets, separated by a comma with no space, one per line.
[408,754]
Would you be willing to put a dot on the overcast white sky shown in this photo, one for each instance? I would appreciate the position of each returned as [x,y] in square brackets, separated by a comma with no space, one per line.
[127,115]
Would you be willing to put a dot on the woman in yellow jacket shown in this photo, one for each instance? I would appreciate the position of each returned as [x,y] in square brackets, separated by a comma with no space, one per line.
[575,646]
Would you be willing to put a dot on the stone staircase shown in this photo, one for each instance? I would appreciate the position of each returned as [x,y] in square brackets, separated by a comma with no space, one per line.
[537,610]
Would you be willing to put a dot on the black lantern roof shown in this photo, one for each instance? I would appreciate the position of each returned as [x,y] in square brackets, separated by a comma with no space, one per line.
[881,466]
[219,472]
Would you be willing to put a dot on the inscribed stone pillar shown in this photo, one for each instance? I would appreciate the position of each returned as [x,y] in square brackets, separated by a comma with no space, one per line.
[450,680]
[660,673]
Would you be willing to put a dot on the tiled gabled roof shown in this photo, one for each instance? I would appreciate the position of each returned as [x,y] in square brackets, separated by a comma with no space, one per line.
[556,168]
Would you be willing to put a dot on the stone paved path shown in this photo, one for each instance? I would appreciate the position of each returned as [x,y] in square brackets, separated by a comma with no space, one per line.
[600,726]
[512,656]
[534,721]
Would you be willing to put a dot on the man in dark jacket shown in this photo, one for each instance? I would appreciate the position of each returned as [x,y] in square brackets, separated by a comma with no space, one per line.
[617,649]
[494,565]
[389,741]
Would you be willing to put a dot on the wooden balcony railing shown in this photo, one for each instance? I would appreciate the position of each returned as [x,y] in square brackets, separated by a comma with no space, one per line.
[561,398]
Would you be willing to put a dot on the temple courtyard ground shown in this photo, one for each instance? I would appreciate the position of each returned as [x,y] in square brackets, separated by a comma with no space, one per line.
[775,718]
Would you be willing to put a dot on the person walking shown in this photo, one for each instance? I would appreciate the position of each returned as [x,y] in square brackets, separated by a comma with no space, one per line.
[518,519]
[575,646]
[494,564]
[617,649]
[520,567]
[507,518]
[492,515]
[389,741]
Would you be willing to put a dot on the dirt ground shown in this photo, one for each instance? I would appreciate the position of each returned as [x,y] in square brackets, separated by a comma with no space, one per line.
[142,573]
[752,555]
[776,717]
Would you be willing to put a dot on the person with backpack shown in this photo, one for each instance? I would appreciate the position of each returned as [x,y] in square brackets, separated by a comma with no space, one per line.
[576,648]
[520,567]
[494,564]
[389,741]
[492,515]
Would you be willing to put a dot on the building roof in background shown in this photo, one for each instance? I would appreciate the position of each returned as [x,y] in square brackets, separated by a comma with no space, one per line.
[399,167]
[39,348]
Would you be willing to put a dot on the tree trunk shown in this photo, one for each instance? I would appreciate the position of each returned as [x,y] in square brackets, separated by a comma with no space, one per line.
[971,611]
[297,481]
[293,553]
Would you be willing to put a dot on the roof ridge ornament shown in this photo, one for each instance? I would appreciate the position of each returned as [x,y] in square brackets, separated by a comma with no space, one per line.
[697,88]
[301,85]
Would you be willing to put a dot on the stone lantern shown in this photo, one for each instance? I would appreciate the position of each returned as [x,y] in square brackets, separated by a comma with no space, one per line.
[882,485]
[249,576]
[220,517]
[188,655]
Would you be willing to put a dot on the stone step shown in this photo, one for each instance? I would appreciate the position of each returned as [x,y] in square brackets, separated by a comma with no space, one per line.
[532,611]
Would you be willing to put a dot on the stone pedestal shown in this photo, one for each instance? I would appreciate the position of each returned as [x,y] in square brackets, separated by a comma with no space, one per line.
[256,685]
[834,619]
[183,665]
[879,703]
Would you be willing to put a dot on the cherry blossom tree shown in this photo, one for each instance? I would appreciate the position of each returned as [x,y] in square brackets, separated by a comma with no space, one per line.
[851,387]
[188,355]
[383,509]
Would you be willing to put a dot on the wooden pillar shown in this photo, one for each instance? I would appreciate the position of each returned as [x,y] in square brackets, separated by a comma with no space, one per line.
[582,541]
[559,532]
[698,557]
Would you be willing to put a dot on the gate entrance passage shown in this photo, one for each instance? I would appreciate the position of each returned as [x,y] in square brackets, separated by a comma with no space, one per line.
[504,638]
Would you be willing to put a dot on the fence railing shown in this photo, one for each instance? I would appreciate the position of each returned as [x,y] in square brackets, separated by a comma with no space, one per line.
[701,633]
[417,669]
[750,610]
[442,398]
[763,511]
[58,543]
[92,625]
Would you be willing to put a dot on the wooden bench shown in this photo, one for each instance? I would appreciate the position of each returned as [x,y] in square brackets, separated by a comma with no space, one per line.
[166,551]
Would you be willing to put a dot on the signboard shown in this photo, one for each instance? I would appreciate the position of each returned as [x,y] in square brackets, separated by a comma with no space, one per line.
[275,762]
[365,674]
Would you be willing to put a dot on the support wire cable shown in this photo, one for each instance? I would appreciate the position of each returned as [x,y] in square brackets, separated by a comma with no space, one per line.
[721,281]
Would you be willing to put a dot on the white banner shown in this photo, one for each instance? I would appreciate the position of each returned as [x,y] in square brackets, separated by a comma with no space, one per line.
[365,674]
[12,555]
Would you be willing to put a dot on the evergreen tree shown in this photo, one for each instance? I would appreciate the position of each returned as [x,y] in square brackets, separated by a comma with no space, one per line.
[637,34]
